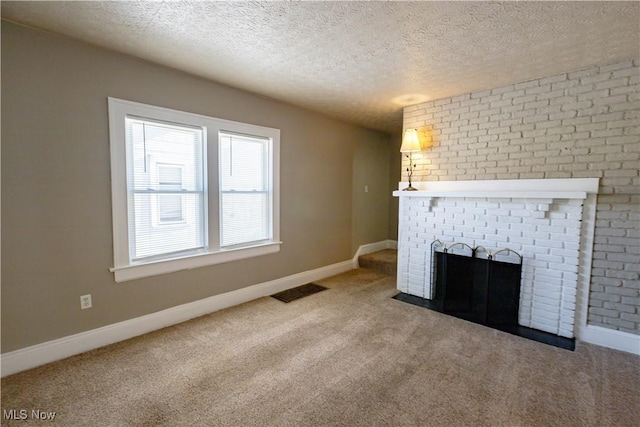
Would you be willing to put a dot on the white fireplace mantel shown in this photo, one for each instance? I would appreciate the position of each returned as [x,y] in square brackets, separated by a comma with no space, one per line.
[568,188]
[491,194]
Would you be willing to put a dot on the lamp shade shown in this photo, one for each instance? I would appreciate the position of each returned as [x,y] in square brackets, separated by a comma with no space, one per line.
[410,141]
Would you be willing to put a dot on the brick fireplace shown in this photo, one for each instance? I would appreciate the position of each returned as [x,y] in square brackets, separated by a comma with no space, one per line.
[550,222]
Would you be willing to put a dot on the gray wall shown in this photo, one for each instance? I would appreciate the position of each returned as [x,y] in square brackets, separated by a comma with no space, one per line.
[394,178]
[370,169]
[581,124]
[56,193]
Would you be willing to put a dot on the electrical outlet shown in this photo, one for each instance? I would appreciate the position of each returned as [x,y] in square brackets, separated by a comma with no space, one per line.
[85,301]
[366,188]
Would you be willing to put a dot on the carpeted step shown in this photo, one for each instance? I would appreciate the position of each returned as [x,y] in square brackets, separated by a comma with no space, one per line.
[385,261]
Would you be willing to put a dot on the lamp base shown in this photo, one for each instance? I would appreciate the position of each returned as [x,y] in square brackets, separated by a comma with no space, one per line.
[410,188]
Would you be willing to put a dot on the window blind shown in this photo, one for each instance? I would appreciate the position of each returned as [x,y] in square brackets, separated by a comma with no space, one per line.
[165,188]
[245,189]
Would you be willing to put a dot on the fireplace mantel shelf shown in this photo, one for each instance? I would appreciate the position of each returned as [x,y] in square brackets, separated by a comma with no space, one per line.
[562,188]
[517,194]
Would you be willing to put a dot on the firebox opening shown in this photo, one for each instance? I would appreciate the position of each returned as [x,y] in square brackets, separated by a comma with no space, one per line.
[485,291]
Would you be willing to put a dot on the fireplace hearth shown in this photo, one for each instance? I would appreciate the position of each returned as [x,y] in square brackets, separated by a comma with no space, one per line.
[518,330]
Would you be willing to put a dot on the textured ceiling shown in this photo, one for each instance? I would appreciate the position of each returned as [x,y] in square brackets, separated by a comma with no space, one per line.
[358,61]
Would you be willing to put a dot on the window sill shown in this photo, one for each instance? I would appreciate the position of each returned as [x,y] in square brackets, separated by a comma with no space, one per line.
[139,271]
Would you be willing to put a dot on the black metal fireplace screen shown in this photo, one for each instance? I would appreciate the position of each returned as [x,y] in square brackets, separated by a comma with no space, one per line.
[474,285]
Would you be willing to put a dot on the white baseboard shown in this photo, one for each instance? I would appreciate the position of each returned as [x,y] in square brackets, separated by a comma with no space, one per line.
[40,354]
[373,247]
[610,338]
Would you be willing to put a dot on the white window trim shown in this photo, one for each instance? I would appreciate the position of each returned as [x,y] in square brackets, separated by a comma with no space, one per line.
[125,270]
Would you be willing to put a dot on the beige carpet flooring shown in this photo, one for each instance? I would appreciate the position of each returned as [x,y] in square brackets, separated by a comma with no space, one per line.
[347,356]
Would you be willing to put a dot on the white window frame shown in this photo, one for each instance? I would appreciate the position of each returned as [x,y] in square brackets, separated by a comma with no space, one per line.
[124,269]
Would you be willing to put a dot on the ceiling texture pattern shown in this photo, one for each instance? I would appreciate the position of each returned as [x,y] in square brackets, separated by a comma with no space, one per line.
[354,60]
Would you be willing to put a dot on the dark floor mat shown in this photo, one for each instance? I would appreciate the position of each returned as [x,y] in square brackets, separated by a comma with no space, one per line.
[298,292]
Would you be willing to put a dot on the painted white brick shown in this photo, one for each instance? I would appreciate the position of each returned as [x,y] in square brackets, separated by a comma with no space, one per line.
[601,103]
